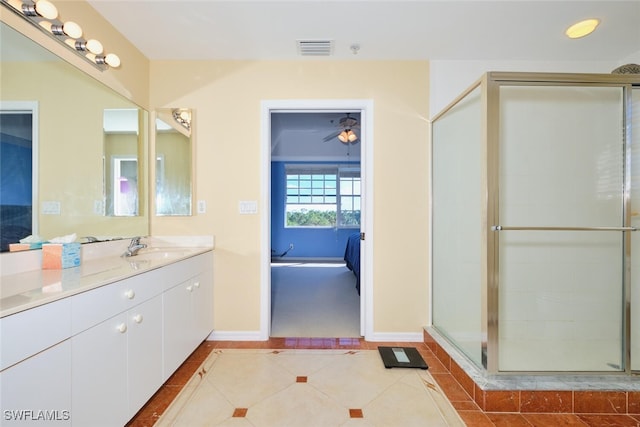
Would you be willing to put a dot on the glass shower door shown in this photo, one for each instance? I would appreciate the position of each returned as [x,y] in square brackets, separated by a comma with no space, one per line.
[561,248]
[459,301]
[635,222]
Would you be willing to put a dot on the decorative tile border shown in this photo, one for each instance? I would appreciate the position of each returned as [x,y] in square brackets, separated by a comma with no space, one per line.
[522,400]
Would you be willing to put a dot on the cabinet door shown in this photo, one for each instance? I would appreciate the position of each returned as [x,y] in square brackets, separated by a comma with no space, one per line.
[37,391]
[202,302]
[177,323]
[99,374]
[144,354]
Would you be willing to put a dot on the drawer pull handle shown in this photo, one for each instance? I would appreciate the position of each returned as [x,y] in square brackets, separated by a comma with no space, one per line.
[130,294]
[196,284]
[122,328]
[137,318]
[190,288]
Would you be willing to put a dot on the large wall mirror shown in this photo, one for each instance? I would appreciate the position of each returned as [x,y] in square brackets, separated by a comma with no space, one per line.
[174,161]
[60,130]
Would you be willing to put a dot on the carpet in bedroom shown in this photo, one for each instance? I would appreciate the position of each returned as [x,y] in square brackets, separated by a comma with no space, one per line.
[314,300]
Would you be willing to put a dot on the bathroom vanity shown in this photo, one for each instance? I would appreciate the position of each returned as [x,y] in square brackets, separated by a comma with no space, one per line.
[90,345]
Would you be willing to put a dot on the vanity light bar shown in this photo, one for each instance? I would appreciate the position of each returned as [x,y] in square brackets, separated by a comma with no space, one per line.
[44,15]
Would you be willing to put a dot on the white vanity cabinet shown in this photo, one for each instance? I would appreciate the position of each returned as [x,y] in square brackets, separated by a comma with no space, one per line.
[144,353]
[35,366]
[188,312]
[117,363]
[95,358]
[117,366]
[99,375]
[37,391]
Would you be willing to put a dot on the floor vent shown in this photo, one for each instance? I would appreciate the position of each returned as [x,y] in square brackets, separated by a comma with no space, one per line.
[315,47]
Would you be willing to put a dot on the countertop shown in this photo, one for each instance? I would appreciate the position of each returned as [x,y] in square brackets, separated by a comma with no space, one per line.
[100,266]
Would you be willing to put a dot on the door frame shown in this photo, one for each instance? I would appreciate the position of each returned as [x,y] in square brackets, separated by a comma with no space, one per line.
[14,107]
[365,107]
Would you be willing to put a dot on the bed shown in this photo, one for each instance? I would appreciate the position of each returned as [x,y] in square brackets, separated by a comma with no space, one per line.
[352,257]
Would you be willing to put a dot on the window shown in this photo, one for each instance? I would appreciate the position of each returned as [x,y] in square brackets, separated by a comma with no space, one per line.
[349,197]
[322,196]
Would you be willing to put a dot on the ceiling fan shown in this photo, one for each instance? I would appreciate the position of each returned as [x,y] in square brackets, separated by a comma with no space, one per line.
[345,132]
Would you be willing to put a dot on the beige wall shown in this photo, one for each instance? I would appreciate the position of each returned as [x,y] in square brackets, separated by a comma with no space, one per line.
[227,95]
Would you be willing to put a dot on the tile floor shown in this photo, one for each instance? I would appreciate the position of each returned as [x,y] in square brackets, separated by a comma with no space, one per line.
[200,364]
[311,388]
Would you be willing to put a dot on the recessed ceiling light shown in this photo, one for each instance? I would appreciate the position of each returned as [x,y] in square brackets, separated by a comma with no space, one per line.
[582,28]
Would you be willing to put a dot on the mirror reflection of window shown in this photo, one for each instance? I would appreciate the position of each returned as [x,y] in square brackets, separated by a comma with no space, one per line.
[121,138]
[173,163]
[17,168]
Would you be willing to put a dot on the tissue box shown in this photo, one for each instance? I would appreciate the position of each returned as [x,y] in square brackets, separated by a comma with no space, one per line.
[16,247]
[60,255]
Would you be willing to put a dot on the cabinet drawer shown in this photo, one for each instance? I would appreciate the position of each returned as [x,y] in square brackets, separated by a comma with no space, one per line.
[147,285]
[31,331]
[184,270]
[95,306]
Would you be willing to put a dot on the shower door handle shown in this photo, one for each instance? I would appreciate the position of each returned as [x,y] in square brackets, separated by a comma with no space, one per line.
[509,228]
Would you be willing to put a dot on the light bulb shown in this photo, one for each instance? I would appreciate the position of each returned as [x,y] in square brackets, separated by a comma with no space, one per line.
[72,29]
[69,28]
[582,28]
[46,9]
[94,46]
[112,60]
[343,137]
[352,136]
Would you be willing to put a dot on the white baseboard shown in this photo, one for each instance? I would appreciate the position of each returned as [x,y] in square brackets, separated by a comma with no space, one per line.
[396,337]
[307,259]
[375,337]
[235,336]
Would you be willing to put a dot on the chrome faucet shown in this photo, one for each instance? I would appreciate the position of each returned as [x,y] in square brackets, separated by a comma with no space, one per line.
[134,247]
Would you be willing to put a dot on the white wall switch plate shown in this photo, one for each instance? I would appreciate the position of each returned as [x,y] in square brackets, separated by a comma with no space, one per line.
[248,207]
[50,208]
[202,206]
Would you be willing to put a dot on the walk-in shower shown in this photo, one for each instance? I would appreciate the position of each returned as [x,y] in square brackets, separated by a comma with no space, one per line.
[535,203]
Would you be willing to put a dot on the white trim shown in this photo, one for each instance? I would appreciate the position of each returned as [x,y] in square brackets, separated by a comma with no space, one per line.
[396,337]
[334,159]
[235,336]
[32,107]
[366,165]
[257,336]
[430,227]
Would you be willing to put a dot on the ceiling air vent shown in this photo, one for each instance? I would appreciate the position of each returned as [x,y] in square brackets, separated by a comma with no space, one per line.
[315,47]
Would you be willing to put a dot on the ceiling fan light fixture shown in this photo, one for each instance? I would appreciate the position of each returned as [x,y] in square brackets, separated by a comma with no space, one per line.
[351,136]
[344,137]
[582,28]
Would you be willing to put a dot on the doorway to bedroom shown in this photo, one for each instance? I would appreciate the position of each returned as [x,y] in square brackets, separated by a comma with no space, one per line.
[316,199]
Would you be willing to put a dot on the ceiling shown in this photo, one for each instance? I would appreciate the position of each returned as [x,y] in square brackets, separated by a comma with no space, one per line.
[300,136]
[394,30]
